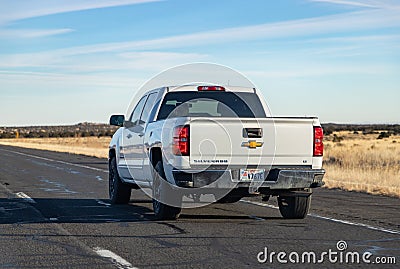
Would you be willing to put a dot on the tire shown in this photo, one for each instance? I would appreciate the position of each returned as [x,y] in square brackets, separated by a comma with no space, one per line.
[294,207]
[162,211]
[119,192]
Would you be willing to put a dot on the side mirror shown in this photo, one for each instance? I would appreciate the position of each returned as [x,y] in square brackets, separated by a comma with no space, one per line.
[117,120]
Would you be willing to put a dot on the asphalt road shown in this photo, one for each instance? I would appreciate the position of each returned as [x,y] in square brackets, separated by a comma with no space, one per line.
[55,213]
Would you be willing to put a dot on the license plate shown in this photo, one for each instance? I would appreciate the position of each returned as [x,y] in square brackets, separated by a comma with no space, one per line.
[252,174]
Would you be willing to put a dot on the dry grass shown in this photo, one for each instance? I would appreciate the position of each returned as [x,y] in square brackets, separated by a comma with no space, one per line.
[363,163]
[91,146]
[357,163]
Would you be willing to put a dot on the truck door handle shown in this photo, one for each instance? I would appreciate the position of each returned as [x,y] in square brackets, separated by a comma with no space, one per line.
[141,134]
[252,132]
[129,136]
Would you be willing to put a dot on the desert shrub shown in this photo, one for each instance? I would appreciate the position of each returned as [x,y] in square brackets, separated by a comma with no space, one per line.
[43,135]
[333,161]
[337,138]
[383,135]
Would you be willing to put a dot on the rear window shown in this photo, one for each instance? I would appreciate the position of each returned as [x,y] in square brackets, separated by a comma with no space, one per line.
[211,104]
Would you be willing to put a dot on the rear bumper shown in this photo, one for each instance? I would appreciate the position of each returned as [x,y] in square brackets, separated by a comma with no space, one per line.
[276,179]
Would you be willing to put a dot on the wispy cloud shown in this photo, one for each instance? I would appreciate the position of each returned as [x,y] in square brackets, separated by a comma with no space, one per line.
[348,3]
[352,21]
[318,69]
[24,9]
[88,72]
[12,11]
[341,23]
[346,46]
[127,61]
[357,38]
[362,3]
[32,33]
[133,55]
[41,81]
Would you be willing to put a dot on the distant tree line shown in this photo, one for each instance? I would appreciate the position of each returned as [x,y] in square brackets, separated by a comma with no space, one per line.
[100,130]
[393,129]
[78,130]
[382,130]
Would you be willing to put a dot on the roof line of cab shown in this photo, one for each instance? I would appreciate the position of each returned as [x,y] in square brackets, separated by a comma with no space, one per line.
[195,87]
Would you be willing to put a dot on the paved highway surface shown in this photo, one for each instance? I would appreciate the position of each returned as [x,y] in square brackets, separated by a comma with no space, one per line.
[55,213]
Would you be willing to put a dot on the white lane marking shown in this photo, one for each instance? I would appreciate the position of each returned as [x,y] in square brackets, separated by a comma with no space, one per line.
[99,178]
[117,260]
[57,161]
[380,229]
[25,197]
[356,224]
[102,203]
[53,219]
[259,204]
[256,218]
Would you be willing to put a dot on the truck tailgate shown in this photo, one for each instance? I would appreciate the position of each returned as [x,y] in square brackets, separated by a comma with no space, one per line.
[233,141]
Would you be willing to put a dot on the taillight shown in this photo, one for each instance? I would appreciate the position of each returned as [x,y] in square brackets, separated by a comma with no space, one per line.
[181,141]
[210,88]
[318,141]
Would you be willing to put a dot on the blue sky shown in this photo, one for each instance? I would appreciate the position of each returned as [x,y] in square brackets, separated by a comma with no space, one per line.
[70,61]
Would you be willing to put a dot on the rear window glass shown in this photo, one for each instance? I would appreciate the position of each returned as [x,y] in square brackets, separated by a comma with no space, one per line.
[211,104]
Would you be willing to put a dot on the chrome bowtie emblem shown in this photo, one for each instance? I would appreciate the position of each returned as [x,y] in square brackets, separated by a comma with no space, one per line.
[252,144]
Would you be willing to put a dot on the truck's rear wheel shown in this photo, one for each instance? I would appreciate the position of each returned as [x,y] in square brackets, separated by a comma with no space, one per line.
[119,192]
[163,211]
[294,207]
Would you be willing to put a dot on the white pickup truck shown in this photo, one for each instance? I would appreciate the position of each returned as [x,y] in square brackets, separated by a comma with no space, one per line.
[201,140]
